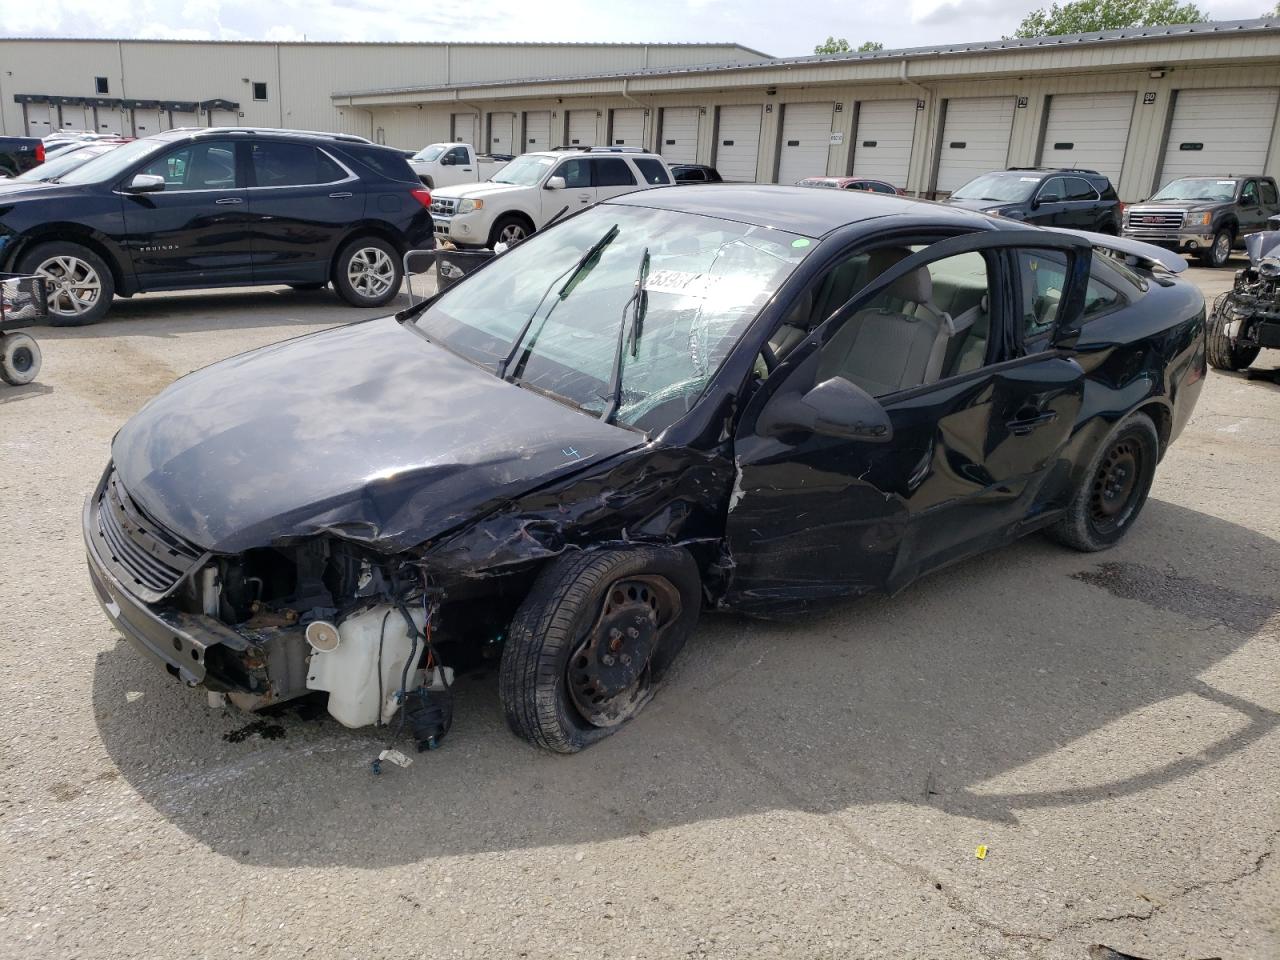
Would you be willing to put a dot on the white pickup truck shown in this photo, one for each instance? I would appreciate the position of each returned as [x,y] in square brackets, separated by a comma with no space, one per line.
[535,187]
[447,164]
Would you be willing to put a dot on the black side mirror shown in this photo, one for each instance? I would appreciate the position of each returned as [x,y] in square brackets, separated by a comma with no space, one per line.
[446,161]
[1035,203]
[834,408]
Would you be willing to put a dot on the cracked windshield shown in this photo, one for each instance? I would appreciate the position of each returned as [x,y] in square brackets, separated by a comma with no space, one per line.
[624,312]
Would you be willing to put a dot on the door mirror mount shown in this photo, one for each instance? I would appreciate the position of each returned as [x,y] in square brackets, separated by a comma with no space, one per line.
[834,408]
[1035,203]
[145,183]
[556,183]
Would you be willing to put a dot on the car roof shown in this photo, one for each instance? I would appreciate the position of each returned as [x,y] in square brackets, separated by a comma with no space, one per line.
[178,133]
[802,210]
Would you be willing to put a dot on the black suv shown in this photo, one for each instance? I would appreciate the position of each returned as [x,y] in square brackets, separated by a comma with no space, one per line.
[1059,197]
[218,207]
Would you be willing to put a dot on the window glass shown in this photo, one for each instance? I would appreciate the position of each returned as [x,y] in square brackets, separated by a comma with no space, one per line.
[525,171]
[204,165]
[1249,195]
[576,173]
[931,323]
[878,187]
[457,156]
[1043,278]
[706,280]
[1197,188]
[1053,191]
[428,154]
[859,185]
[1079,189]
[613,172]
[690,174]
[1006,187]
[389,163]
[279,164]
[652,170]
[1268,192]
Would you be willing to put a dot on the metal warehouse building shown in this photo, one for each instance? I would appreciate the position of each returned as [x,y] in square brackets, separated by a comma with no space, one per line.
[1143,105]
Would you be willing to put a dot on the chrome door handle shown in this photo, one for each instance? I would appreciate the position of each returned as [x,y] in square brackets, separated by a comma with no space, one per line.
[338,196]
[229,200]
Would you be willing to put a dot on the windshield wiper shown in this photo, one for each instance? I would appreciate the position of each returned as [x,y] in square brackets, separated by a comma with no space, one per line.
[640,301]
[573,273]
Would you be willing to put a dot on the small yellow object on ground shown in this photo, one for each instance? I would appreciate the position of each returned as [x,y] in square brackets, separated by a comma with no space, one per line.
[981,852]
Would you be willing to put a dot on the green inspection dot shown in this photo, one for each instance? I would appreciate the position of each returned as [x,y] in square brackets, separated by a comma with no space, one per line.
[801,242]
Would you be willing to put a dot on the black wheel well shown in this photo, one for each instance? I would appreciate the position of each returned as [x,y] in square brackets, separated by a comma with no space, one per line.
[1231,226]
[54,234]
[1163,420]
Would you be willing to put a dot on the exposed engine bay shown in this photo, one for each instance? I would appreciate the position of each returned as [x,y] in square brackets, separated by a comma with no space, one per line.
[1247,318]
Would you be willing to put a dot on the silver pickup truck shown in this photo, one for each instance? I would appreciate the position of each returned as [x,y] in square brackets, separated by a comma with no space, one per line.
[1204,216]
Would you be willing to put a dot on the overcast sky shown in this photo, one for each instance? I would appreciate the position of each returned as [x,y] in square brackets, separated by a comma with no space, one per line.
[767,25]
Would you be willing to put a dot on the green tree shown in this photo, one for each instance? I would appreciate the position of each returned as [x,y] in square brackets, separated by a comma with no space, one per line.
[841,45]
[1088,16]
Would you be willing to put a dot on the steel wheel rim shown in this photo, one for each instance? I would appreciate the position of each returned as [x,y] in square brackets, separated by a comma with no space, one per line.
[74,287]
[1116,485]
[22,359]
[1222,248]
[371,272]
[604,689]
[511,233]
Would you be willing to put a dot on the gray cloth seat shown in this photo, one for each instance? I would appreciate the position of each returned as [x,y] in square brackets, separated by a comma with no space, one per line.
[899,343]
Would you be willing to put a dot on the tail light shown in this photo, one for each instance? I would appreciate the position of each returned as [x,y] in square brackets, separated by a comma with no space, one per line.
[422,195]
[40,152]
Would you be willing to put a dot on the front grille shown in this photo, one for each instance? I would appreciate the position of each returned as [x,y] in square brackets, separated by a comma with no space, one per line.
[141,554]
[444,206]
[1163,220]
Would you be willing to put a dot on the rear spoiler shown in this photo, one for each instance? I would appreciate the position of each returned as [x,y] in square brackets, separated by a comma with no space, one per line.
[1136,253]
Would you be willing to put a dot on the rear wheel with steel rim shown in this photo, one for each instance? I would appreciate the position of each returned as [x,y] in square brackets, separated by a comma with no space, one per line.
[592,640]
[368,272]
[509,230]
[1115,487]
[78,284]
[19,358]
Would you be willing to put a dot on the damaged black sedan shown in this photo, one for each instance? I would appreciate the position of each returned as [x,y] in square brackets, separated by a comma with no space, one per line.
[739,397]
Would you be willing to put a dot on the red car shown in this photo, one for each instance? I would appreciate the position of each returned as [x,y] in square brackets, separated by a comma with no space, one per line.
[851,183]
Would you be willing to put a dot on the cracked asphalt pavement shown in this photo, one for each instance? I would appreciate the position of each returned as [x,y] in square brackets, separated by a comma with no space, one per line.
[1106,725]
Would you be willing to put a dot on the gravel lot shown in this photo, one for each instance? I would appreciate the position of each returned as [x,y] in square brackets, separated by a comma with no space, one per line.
[1105,725]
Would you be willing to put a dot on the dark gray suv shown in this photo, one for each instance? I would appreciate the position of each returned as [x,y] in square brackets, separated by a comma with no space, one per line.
[1057,197]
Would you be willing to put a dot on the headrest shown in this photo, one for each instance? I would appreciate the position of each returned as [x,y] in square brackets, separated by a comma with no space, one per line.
[914,287]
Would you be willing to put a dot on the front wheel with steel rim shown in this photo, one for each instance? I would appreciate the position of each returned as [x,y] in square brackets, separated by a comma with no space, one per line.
[78,285]
[367,272]
[19,358]
[1114,488]
[592,640]
[509,230]
[1220,252]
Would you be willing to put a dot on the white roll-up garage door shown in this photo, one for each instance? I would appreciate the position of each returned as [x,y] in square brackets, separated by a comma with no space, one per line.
[464,128]
[975,139]
[628,128]
[537,130]
[738,143]
[882,142]
[806,141]
[1088,131]
[181,118]
[39,123]
[110,120]
[502,133]
[582,128]
[1217,132]
[679,134]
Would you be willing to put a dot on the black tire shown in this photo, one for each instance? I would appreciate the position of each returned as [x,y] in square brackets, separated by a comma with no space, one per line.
[1220,351]
[1220,252]
[19,358]
[75,274]
[1114,488]
[509,229]
[305,287]
[579,599]
[367,272]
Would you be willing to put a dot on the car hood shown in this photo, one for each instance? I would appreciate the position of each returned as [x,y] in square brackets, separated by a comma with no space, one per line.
[367,432]
[11,190]
[978,204]
[1176,204]
[486,189]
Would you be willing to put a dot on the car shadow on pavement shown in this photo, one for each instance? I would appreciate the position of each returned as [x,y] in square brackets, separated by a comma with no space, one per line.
[958,695]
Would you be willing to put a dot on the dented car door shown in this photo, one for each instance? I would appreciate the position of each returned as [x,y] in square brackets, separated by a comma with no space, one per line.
[959,461]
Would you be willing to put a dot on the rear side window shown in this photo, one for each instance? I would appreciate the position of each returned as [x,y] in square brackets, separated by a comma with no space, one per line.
[652,170]
[280,164]
[384,161]
[1080,189]
[613,172]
